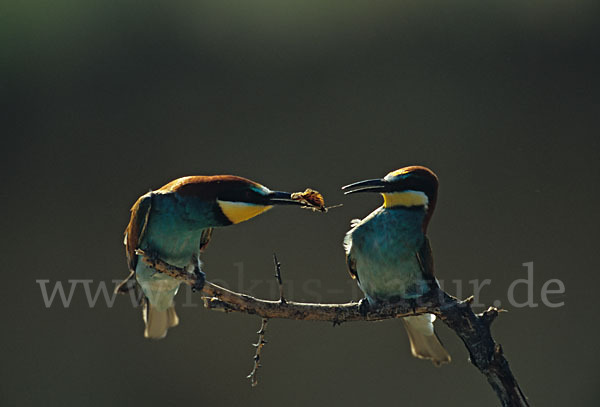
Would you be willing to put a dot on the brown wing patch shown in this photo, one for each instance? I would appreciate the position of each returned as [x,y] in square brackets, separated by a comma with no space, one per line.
[134,233]
[202,186]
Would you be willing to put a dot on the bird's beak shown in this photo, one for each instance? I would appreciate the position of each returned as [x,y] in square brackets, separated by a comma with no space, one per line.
[282,198]
[371,185]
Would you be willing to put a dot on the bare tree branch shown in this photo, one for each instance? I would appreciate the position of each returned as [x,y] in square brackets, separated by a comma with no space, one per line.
[253,376]
[473,329]
[278,277]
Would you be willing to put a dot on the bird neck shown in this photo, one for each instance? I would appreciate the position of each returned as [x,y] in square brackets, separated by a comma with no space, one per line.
[405,199]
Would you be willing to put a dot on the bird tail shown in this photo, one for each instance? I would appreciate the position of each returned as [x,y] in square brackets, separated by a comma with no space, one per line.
[424,343]
[158,322]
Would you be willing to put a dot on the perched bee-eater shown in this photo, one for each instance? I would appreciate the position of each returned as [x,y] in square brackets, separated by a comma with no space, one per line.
[388,252]
[174,223]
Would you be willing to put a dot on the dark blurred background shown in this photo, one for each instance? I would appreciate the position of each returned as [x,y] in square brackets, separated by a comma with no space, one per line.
[104,100]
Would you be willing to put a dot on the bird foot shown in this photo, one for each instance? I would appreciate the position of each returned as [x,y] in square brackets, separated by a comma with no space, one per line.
[363,307]
[413,302]
[200,280]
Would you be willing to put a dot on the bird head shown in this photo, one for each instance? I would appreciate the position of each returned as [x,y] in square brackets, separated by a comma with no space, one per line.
[406,187]
[239,199]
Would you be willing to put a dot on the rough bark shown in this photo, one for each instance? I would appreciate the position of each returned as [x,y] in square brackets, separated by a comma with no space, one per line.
[473,329]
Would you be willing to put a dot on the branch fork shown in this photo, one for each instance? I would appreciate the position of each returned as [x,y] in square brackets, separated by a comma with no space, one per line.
[473,329]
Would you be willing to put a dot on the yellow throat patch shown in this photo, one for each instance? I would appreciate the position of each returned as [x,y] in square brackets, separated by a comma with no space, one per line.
[238,212]
[405,198]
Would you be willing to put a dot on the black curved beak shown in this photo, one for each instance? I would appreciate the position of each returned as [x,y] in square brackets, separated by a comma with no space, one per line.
[282,198]
[371,185]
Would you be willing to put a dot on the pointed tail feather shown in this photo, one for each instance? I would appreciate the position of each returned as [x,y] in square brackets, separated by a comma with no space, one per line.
[158,322]
[424,343]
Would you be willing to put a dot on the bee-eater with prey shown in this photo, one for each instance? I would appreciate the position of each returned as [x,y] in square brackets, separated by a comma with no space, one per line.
[175,222]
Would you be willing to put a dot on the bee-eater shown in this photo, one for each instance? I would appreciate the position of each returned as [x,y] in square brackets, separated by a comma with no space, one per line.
[174,223]
[388,252]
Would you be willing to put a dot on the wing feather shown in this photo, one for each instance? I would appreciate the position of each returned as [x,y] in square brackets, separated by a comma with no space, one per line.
[425,258]
[205,238]
[350,261]
[134,233]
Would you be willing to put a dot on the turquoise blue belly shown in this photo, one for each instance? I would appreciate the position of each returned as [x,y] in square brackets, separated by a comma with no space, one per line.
[385,250]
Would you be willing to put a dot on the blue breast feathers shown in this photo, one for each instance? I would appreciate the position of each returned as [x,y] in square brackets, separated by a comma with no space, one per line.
[384,249]
[175,225]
